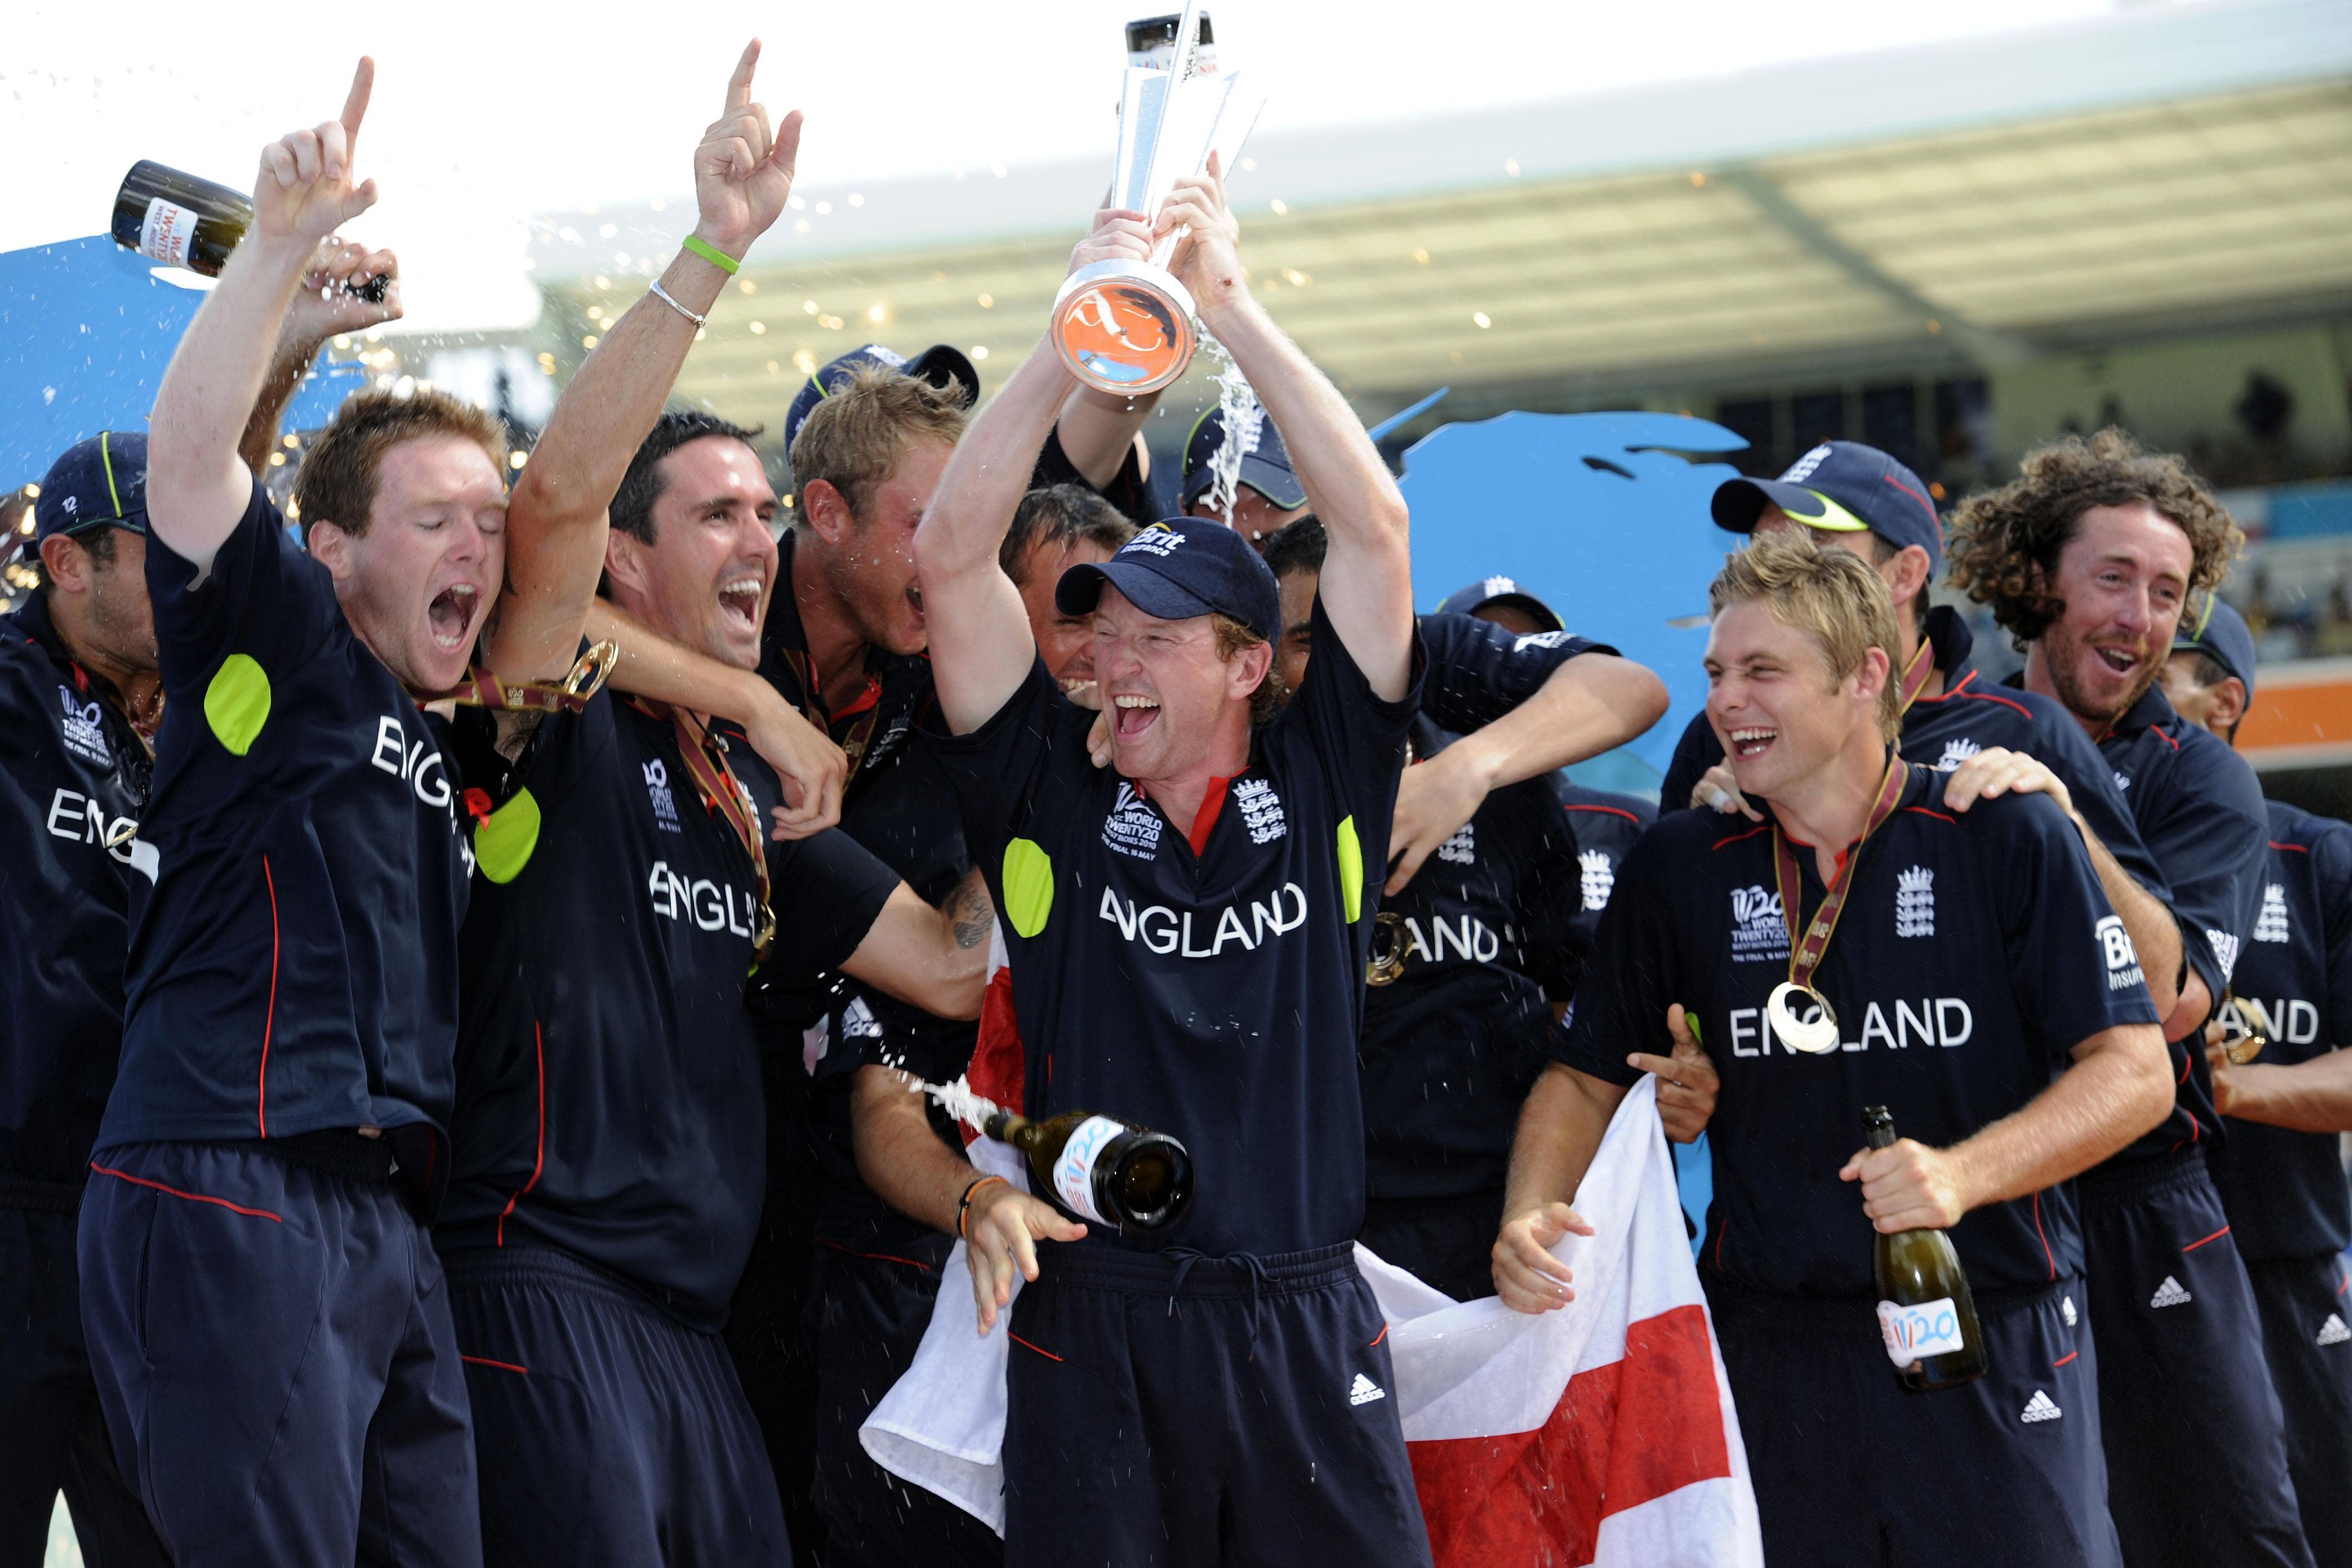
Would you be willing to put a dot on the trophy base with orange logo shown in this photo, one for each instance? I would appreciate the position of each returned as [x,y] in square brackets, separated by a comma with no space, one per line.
[1125,325]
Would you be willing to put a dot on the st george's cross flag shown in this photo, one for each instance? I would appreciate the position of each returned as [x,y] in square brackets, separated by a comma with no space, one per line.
[1602,1433]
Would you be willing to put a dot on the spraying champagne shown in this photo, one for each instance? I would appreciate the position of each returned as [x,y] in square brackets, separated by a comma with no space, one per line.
[1102,1170]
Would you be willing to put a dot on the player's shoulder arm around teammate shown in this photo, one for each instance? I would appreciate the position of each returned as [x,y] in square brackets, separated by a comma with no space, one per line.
[2068,955]
[2059,742]
[831,897]
[1551,698]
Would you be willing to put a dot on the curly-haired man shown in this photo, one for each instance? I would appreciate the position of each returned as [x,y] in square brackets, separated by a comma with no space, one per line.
[2087,559]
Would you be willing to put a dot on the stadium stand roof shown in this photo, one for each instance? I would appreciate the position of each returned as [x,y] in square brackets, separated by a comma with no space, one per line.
[2156,170]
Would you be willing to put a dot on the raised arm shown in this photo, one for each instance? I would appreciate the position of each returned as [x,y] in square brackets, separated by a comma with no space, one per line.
[556,518]
[982,648]
[326,303]
[1097,429]
[1367,587]
[197,486]
[1589,705]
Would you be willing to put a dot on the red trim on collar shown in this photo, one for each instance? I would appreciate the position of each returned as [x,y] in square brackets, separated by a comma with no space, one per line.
[2005,702]
[1613,811]
[2299,849]
[1212,804]
[1958,688]
[1735,838]
[864,700]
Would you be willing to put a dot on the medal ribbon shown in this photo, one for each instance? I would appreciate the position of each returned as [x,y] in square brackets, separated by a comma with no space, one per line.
[1805,953]
[861,734]
[722,792]
[1916,673]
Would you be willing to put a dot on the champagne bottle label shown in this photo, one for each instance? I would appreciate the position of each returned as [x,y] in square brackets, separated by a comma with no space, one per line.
[166,233]
[1914,1332]
[1074,1171]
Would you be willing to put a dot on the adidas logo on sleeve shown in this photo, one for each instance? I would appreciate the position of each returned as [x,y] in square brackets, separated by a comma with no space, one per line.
[2041,1407]
[2169,1294]
[2333,1331]
[1365,1391]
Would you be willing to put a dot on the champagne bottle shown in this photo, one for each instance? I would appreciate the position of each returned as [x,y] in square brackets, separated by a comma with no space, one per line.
[182,220]
[1924,1311]
[1102,1170]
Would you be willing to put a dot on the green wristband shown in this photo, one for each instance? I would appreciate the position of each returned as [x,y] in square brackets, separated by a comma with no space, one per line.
[711,254]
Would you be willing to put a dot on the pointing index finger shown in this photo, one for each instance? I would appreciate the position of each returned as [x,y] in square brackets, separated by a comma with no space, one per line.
[739,86]
[355,106]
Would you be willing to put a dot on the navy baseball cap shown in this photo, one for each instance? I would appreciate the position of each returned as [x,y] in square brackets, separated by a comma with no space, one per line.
[1180,569]
[99,482]
[2208,626]
[1266,467]
[1841,487]
[1499,591]
[940,365]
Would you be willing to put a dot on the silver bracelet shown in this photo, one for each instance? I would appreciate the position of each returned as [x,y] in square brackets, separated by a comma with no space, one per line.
[663,295]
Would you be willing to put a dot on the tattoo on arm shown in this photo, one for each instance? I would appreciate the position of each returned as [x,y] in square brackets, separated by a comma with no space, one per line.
[969,909]
[516,726]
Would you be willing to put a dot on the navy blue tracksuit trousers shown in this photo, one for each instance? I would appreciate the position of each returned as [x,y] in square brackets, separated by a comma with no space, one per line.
[273,1351]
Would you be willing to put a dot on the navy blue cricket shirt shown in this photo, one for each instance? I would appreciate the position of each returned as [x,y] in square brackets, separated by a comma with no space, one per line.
[294,968]
[609,1093]
[1214,993]
[2202,815]
[1973,954]
[2284,1190]
[1486,932]
[73,780]
[1606,826]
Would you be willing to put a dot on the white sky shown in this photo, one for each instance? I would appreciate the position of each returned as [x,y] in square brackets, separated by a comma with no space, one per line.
[489,111]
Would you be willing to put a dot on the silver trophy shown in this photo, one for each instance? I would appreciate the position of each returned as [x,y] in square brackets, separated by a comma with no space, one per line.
[1127,326]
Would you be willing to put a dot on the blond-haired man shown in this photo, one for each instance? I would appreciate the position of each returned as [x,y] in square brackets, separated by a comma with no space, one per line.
[1977,983]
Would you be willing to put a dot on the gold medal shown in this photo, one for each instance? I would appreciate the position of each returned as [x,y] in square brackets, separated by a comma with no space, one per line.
[2249,1045]
[1390,941]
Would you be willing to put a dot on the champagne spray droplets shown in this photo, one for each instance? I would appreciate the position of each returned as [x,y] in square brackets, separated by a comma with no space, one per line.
[1243,418]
